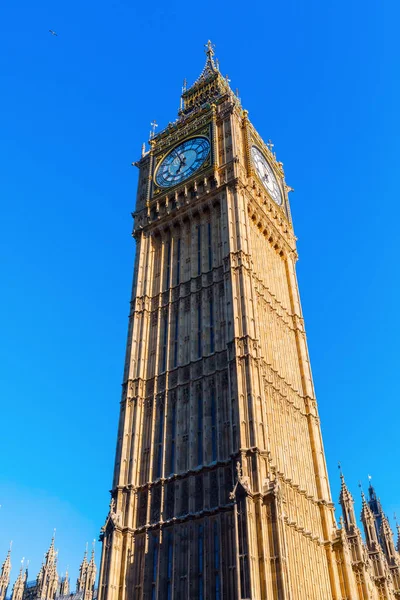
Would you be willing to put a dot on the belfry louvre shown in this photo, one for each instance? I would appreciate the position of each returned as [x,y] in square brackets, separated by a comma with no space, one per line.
[220,486]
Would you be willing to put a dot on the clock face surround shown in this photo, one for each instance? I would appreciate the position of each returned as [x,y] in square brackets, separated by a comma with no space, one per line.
[182,161]
[266,174]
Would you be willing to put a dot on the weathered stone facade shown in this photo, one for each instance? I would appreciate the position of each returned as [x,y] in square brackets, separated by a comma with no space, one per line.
[220,487]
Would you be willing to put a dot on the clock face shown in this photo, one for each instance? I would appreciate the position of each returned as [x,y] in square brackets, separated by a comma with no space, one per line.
[266,175]
[182,161]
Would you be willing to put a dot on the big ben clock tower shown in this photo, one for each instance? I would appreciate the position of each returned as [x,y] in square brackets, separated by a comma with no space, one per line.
[220,486]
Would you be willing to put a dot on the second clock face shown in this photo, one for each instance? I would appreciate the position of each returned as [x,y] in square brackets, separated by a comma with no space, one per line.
[266,174]
[182,161]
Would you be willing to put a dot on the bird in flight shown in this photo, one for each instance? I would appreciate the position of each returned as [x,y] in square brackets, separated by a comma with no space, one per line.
[53,32]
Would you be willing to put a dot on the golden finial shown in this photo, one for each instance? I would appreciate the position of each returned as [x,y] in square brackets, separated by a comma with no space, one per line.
[270,145]
[209,49]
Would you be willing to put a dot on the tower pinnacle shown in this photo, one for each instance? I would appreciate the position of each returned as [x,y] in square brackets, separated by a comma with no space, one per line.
[208,87]
[347,504]
[19,585]
[5,575]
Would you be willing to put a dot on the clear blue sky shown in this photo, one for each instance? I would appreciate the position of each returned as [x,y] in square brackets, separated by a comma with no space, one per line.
[318,78]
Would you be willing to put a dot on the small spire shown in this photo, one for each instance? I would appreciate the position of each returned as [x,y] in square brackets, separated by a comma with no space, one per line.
[209,51]
[153,125]
[92,555]
[347,504]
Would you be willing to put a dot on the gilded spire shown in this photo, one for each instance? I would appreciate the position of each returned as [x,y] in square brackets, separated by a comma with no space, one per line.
[208,87]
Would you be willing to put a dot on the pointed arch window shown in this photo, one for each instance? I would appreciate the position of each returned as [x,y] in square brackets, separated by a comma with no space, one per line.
[173,434]
[212,334]
[216,563]
[176,337]
[198,249]
[199,428]
[199,330]
[168,270]
[160,441]
[178,262]
[164,342]
[170,549]
[213,426]
[209,239]
[200,561]
[155,569]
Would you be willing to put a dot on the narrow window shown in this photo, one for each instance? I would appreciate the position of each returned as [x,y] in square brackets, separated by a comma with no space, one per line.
[199,332]
[199,429]
[168,274]
[178,262]
[198,249]
[160,442]
[176,334]
[169,567]
[164,344]
[212,336]
[173,433]
[213,427]
[200,546]
[209,246]
[216,562]
[155,569]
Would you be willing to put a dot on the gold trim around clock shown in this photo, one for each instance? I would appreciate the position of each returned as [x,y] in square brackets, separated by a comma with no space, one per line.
[161,158]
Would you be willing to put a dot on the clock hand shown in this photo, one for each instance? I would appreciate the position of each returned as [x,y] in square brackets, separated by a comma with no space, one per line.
[183,161]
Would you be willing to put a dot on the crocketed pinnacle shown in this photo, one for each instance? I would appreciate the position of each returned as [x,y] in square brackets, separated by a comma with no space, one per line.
[398,537]
[6,568]
[386,536]
[347,504]
[81,581]
[5,575]
[368,520]
[19,585]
